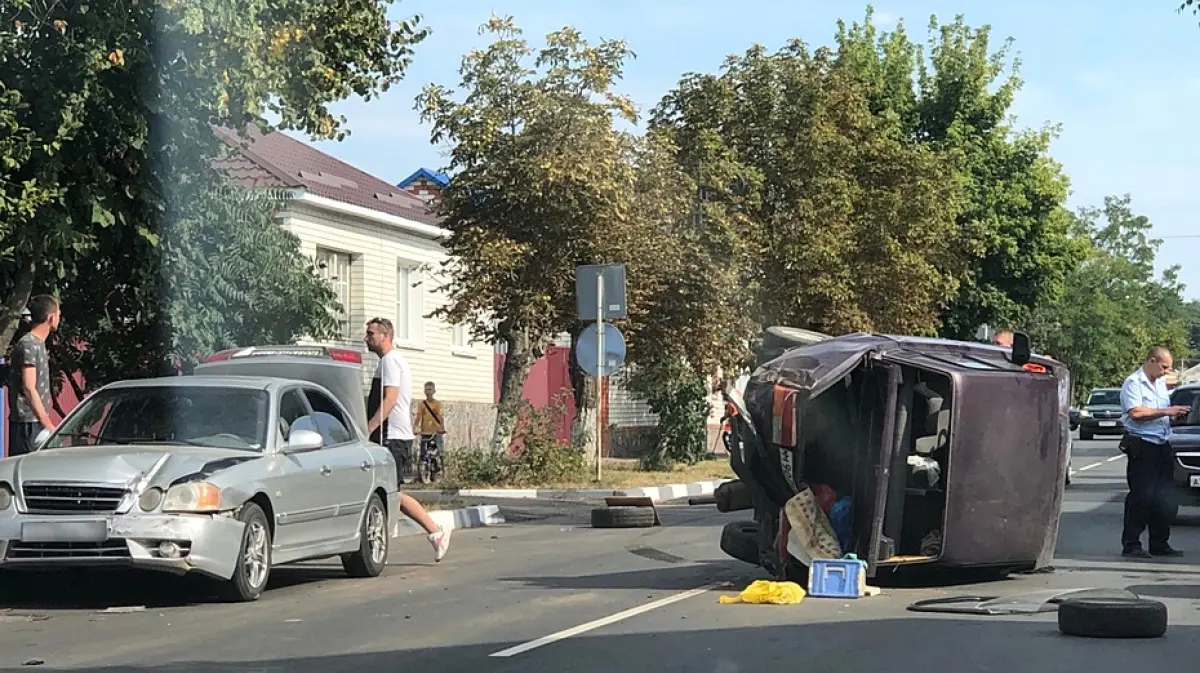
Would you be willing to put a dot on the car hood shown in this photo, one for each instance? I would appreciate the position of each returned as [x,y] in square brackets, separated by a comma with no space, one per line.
[119,464]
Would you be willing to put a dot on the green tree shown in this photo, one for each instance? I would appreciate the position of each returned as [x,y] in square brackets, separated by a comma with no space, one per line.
[1013,218]
[224,274]
[691,316]
[1193,313]
[109,106]
[542,183]
[845,210]
[1113,307]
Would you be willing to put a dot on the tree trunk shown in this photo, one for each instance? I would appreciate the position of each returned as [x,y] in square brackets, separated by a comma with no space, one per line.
[10,318]
[518,360]
[583,387]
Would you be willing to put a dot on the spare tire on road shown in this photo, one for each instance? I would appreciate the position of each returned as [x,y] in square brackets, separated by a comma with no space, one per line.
[623,517]
[1112,618]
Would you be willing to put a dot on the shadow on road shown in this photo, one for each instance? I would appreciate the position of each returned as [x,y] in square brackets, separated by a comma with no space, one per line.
[1166,590]
[904,645]
[87,589]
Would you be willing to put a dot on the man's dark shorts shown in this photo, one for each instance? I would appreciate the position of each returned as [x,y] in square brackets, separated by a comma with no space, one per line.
[402,450]
[20,437]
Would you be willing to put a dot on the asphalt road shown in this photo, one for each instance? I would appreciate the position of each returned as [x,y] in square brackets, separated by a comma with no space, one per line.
[514,586]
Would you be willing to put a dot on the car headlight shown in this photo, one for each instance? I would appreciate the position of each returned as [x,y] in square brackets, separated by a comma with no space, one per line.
[150,500]
[193,497]
[6,496]
[1084,413]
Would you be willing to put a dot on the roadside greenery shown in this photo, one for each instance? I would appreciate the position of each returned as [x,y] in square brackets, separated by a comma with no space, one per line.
[108,194]
[878,183]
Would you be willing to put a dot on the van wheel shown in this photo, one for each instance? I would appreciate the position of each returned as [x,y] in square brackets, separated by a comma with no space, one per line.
[253,568]
[739,539]
[373,542]
[1112,618]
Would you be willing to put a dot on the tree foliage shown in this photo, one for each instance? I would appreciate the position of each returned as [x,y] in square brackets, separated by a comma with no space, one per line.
[108,110]
[224,274]
[1113,307]
[843,207]
[1013,221]
[542,183]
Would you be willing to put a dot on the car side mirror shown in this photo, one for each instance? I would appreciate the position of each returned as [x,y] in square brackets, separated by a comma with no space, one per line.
[1020,349]
[304,440]
[41,438]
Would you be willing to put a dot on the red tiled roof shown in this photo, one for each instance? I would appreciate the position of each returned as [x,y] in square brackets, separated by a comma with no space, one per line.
[280,161]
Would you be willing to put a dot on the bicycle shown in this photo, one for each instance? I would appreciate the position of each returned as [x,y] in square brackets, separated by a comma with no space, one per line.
[429,462]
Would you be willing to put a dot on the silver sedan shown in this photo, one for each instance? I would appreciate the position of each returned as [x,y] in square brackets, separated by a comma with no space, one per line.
[222,474]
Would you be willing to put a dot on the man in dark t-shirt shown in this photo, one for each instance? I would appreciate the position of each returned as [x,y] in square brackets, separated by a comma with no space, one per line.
[29,397]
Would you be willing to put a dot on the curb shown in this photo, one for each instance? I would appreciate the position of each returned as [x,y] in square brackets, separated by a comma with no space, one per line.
[655,493]
[478,516]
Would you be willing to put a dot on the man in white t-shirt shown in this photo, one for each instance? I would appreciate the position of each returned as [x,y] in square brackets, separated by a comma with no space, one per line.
[389,408]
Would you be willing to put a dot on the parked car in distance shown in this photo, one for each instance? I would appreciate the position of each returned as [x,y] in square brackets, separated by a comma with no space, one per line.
[258,459]
[1185,442]
[1074,415]
[1102,414]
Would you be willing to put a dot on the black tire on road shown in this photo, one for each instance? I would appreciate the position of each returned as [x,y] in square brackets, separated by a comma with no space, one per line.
[1085,436]
[240,588]
[739,539]
[1112,618]
[622,517]
[363,563]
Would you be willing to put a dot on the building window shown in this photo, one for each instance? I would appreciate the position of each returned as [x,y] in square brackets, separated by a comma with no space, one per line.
[460,337]
[334,267]
[409,303]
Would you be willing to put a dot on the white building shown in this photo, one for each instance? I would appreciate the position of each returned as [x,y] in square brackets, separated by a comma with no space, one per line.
[381,249]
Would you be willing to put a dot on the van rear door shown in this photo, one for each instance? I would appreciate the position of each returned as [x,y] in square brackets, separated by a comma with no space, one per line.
[338,370]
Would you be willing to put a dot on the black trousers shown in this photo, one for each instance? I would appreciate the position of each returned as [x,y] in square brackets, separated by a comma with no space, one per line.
[1150,502]
[20,437]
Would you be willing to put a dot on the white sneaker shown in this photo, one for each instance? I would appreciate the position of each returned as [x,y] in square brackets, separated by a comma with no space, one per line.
[441,544]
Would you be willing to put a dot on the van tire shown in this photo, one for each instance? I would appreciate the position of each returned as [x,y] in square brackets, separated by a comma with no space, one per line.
[739,539]
[623,517]
[1112,618]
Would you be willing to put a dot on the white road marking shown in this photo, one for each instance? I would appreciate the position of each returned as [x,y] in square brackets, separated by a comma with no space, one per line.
[604,621]
[1114,459]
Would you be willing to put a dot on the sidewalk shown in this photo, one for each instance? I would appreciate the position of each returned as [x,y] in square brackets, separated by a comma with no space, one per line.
[479,516]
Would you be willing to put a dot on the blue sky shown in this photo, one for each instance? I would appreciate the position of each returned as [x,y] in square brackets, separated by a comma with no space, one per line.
[1122,81]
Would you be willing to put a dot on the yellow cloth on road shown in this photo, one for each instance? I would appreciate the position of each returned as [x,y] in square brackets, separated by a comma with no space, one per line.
[768,592]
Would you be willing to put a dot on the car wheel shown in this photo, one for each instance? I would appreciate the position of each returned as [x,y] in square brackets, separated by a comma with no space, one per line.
[253,568]
[1112,618]
[1085,436]
[373,540]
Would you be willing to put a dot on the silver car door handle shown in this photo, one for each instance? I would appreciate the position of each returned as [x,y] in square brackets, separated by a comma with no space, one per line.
[325,471]
[366,466]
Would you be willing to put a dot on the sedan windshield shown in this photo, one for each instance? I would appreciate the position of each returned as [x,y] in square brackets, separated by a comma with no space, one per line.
[229,418]
[1105,397]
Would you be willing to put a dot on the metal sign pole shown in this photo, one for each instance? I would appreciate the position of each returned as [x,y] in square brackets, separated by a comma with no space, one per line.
[599,373]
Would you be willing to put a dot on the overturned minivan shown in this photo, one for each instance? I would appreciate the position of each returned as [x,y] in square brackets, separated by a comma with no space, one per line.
[935,453]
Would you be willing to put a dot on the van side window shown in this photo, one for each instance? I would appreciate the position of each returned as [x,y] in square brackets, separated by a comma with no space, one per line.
[291,409]
[330,420]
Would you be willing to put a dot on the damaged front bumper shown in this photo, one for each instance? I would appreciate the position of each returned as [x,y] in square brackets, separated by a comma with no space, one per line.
[174,543]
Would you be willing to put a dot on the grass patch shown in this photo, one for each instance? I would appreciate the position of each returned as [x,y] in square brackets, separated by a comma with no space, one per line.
[615,474]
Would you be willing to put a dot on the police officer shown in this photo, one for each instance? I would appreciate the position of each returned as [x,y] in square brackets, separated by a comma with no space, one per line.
[1146,413]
